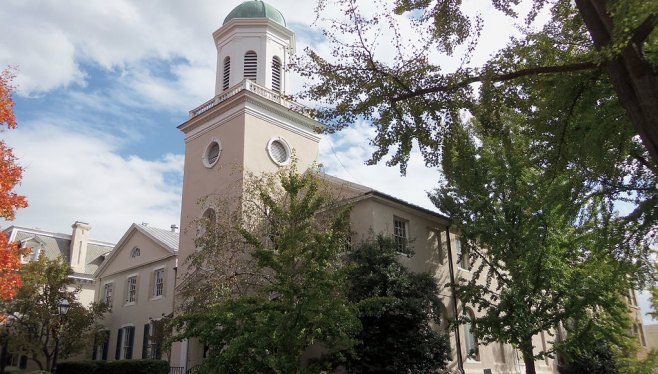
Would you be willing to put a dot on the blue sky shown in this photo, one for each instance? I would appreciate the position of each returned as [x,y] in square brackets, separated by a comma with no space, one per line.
[103,85]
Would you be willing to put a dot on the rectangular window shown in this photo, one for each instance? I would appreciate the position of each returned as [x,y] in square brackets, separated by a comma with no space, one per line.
[159,283]
[127,344]
[400,233]
[132,289]
[463,259]
[107,294]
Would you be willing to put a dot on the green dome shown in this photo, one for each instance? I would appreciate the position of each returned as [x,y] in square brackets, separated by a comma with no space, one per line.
[256,9]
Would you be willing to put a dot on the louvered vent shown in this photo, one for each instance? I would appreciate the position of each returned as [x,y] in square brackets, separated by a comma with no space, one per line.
[213,153]
[250,65]
[227,73]
[276,74]
[279,152]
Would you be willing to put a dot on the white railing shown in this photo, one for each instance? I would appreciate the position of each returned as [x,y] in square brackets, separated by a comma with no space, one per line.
[247,85]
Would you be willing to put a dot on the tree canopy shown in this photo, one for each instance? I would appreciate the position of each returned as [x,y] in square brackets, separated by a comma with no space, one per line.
[543,258]
[10,177]
[267,285]
[35,309]
[400,311]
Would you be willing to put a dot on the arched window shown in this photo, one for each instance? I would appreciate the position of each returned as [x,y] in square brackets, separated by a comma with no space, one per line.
[135,252]
[250,65]
[472,349]
[276,74]
[227,73]
[205,227]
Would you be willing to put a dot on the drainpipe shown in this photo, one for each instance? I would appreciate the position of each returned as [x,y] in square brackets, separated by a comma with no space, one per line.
[460,361]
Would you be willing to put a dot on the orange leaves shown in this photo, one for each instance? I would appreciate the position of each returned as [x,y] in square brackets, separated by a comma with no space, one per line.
[6,102]
[10,176]
[10,263]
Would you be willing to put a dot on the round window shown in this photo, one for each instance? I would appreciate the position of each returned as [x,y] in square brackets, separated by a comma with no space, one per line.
[279,151]
[212,153]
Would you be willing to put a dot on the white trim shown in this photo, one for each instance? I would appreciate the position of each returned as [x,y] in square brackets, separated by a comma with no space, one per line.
[159,267]
[204,159]
[286,147]
[128,325]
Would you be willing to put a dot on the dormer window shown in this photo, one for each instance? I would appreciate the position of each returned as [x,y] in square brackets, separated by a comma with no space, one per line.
[250,66]
[276,74]
[227,73]
[135,252]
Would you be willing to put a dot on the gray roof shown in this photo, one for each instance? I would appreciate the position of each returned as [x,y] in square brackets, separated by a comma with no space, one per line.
[54,246]
[167,237]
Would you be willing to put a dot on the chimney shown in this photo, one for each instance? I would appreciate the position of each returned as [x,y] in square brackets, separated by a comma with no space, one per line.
[78,250]
[174,228]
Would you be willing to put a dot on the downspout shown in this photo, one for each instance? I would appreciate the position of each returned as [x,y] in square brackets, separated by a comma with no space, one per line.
[460,361]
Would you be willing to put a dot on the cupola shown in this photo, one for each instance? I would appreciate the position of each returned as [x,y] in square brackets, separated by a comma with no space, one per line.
[254,43]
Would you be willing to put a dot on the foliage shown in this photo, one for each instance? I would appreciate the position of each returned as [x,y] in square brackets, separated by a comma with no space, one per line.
[598,360]
[604,357]
[543,257]
[38,372]
[377,73]
[10,176]
[81,367]
[398,308]
[135,367]
[268,282]
[45,284]
[114,367]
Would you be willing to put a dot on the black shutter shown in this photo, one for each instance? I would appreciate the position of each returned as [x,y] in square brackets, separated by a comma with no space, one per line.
[95,351]
[23,363]
[117,356]
[106,345]
[131,341]
[145,344]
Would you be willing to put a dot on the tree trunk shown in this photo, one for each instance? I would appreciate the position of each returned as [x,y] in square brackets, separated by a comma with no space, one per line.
[528,356]
[630,73]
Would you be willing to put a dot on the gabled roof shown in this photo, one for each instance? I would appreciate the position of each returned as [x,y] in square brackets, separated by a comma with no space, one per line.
[55,244]
[167,239]
[360,192]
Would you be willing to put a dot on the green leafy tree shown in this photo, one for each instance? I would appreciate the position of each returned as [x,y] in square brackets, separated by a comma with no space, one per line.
[268,283]
[45,284]
[409,97]
[398,310]
[543,257]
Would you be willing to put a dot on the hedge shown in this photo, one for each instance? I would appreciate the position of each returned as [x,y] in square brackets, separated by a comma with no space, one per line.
[38,372]
[114,367]
[80,367]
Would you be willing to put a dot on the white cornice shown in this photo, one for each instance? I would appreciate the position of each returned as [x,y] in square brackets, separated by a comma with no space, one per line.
[247,102]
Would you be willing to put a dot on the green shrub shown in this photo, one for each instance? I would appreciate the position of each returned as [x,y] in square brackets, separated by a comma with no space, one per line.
[135,367]
[80,367]
[113,367]
[38,372]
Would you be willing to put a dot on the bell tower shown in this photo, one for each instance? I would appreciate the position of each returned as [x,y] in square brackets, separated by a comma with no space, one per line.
[248,125]
[253,43]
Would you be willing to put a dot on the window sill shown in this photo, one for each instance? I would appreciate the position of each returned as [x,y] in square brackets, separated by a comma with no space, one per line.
[130,303]
[157,297]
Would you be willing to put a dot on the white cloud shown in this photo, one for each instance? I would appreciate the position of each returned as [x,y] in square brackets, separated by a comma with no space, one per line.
[73,176]
[344,154]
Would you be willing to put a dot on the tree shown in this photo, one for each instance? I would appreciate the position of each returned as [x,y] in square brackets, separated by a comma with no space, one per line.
[398,309]
[267,284]
[544,257]
[35,308]
[408,97]
[10,176]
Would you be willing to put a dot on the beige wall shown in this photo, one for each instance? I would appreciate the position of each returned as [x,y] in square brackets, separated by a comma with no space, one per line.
[427,235]
[152,257]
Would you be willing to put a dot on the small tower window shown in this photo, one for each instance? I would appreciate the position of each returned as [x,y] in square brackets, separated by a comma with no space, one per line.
[135,252]
[279,151]
[250,65]
[227,73]
[276,74]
